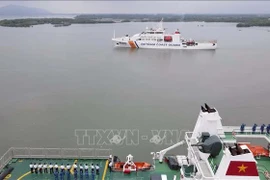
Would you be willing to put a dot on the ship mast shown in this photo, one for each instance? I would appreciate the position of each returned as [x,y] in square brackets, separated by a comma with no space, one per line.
[160,25]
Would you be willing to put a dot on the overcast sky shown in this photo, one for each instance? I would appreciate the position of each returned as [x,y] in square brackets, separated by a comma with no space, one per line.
[147,6]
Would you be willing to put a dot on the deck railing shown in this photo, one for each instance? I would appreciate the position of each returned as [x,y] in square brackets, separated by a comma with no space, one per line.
[212,165]
[4,160]
[250,133]
[52,153]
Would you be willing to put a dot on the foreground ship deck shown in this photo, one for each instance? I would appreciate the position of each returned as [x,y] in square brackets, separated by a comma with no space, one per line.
[21,171]
[214,153]
[21,168]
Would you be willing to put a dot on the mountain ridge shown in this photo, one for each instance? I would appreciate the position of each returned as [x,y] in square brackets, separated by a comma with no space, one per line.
[16,10]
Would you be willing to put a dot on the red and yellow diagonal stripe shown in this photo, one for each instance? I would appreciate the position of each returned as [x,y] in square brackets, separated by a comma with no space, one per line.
[132,44]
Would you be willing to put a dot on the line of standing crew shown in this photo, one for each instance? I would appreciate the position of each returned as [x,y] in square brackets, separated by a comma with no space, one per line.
[54,169]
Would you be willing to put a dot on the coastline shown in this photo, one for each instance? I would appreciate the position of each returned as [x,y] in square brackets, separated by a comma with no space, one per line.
[247,20]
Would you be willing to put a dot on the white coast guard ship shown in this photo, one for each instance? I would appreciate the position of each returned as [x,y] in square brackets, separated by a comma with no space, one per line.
[157,38]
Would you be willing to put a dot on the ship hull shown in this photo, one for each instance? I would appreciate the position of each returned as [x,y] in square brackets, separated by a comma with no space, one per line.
[118,42]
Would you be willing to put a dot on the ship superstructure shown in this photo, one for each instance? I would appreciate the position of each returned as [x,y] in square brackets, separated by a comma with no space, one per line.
[214,153]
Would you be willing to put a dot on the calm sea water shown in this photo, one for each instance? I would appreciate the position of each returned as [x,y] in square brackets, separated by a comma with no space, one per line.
[56,80]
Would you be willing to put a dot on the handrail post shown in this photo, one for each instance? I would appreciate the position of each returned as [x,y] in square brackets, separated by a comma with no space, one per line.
[28,150]
[12,152]
[46,152]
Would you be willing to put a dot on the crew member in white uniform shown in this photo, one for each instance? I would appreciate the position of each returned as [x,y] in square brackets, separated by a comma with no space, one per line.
[40,168]
[62,168]
[31,167]
[68,171]
[75,167]
[45,170]
[92,168]
[75,171]
[86,168]
[97,169]
[110,158]
[68,167]
[81,169]
[51,168]
[36,168]
[56,167]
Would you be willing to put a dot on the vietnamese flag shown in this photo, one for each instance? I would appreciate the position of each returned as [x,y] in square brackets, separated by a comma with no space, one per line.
[242,168]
